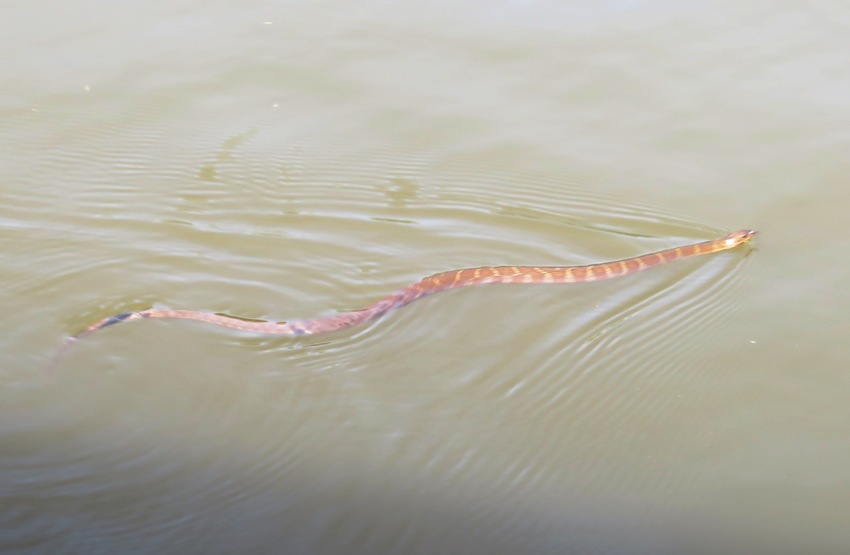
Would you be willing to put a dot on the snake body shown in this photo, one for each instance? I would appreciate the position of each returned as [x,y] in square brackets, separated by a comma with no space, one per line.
[444,281]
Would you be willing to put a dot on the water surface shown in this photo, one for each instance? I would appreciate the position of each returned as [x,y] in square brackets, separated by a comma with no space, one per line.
[290,160]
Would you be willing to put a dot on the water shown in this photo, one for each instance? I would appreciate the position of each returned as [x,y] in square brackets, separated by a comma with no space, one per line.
[290,160]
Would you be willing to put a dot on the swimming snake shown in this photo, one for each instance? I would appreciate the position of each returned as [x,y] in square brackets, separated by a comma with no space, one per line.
[454,279]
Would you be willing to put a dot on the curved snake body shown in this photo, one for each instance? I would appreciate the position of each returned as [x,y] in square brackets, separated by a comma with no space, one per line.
[444,281]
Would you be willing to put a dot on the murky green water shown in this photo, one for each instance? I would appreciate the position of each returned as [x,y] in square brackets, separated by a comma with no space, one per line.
[290,160]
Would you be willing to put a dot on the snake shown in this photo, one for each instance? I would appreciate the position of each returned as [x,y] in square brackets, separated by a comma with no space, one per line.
[444,281]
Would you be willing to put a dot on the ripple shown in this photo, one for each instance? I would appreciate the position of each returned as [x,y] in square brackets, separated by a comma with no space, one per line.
[317,230]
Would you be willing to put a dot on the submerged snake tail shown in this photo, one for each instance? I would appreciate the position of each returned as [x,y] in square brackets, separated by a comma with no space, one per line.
[454,279]
[99,325]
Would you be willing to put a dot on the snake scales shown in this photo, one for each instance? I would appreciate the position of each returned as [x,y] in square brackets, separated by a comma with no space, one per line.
[444,281]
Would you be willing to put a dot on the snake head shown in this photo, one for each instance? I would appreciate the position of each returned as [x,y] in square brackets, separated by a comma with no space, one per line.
[739,237]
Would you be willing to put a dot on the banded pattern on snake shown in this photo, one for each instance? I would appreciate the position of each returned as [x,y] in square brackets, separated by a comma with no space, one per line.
[444,281]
